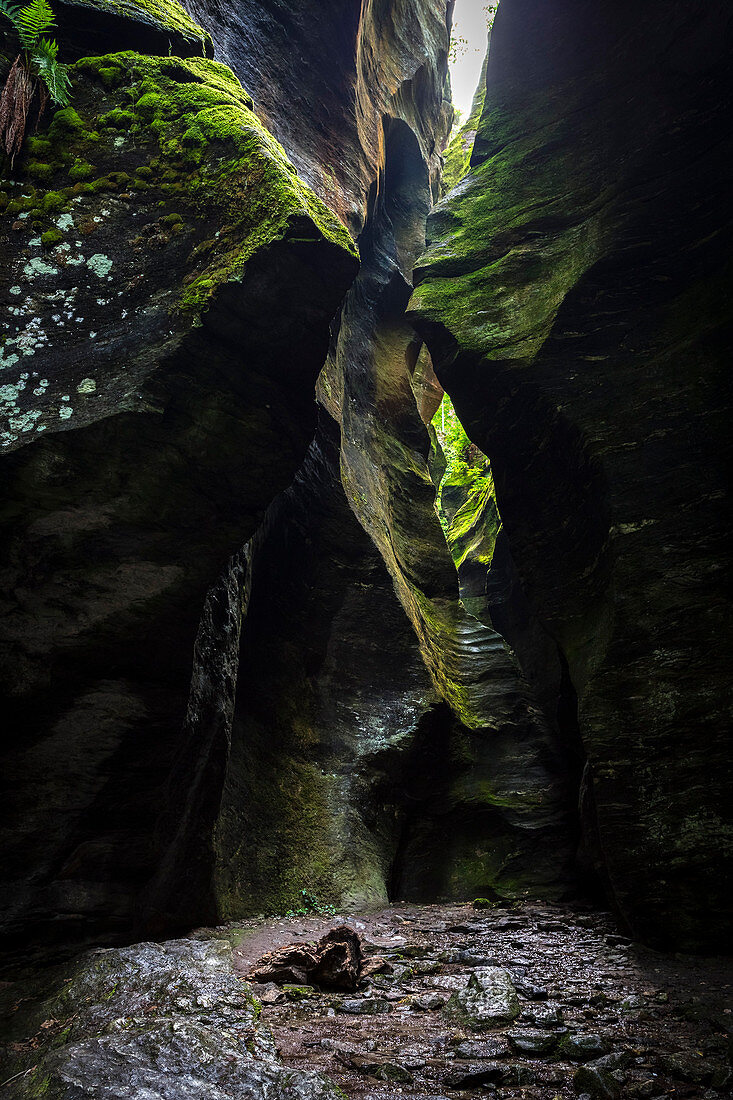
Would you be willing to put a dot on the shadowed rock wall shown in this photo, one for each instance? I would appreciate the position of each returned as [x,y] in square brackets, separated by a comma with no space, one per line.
[152,409]
[576,299]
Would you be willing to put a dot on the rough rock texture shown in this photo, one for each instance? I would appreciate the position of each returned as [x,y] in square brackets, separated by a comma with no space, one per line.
[488,1001]
[166,1020]
[575,297]
[156,396]
[657,1025]
[457,157]
[343,775]
[356,65]
[332,692]
[509,822]
[152,26]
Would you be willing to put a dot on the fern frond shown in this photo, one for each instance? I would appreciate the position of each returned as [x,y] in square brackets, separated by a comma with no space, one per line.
[33,20]
[53,74]
[10,11]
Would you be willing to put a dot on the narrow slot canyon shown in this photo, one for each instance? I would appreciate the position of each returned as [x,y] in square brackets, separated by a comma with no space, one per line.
[365,648]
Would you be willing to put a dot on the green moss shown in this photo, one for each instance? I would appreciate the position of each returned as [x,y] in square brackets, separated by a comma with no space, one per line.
[478,278]
[149,105]
[104,183]
[81,170]
[53,202]
[193,138]
[121,179]
[172,219]
[66,124]
[37,170]
[165,15]
[117,119]
[201,116]
[38,147]
[111,76]
[458,154]
[144,171]
[51,237]
[473,531]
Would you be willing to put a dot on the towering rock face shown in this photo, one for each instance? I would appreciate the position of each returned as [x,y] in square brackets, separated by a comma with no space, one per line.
[576,300]
[344,771]
[235,663]
[325,74]
[156,396]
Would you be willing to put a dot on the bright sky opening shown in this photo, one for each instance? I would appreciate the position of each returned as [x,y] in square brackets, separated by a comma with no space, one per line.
[469,47]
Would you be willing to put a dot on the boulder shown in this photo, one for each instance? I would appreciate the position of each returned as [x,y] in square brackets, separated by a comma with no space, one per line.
[489,1000]
[155,1020]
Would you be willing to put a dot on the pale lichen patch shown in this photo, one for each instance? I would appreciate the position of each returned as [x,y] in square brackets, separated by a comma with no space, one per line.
[37,266]
[100,264]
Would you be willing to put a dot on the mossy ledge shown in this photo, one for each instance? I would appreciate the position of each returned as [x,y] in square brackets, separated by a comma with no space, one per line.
[165,16]
[177,132]
[217,151]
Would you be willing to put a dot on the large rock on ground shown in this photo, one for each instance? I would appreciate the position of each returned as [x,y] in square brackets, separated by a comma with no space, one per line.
[490,1000]
[166,1020]
[576,298]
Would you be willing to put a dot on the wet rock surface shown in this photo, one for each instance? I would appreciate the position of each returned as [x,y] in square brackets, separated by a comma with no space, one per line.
[152,1020]
[596,1015]
[575,298]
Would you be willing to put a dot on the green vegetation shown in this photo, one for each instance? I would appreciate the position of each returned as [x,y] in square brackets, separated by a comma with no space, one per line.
[457,157]
[166,15]
[213,152]
[465,463]
[36,74]
[182,131]
[310,904]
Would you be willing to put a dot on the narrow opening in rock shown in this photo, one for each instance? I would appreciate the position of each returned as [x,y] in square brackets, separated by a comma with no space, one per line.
[465,502]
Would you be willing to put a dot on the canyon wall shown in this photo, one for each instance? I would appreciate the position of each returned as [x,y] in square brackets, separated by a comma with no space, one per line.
[575,296]
[239,665]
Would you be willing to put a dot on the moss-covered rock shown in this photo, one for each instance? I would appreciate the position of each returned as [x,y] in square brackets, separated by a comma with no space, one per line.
[457,157]
[146,1020]
[575,296]
[165,320]
[168,20]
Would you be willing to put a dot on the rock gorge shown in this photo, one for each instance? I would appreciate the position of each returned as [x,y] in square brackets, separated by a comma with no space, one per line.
[245,658]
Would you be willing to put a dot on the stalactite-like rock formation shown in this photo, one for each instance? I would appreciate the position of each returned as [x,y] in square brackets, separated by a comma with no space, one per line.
[576,298]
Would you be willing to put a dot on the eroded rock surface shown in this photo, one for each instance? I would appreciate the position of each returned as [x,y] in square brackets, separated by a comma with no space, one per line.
[151,411]
[576,299]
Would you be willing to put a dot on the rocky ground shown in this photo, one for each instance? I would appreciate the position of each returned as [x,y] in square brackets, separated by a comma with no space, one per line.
[533,1002]
[594,1014]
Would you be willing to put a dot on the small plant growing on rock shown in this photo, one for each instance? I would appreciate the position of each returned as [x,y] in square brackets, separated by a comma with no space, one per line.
[36,72]
[311,905]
